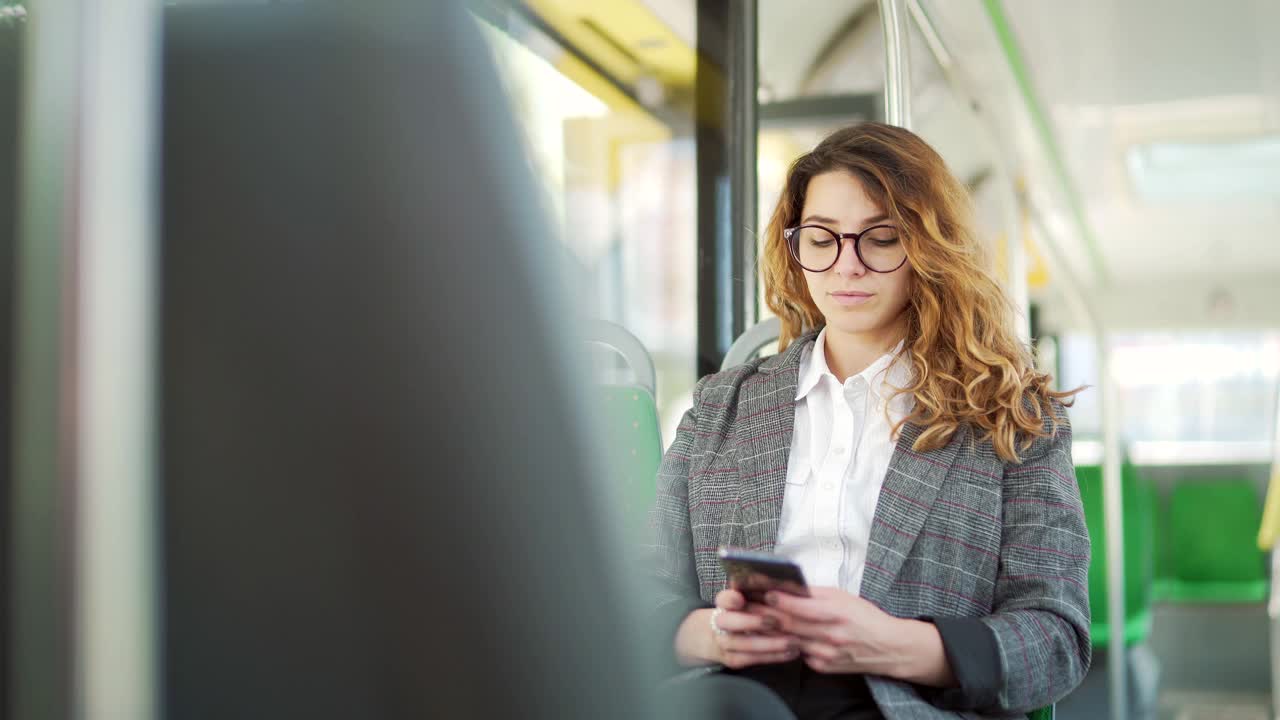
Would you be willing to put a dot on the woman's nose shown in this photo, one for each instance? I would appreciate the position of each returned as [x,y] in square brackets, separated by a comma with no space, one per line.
[848,264]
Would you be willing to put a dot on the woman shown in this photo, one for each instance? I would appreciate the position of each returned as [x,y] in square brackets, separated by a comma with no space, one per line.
[901,448]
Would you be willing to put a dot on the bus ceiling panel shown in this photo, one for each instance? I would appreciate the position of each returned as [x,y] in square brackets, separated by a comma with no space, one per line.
[1169,150]
[1133,149]
[1148,51]
[795,35]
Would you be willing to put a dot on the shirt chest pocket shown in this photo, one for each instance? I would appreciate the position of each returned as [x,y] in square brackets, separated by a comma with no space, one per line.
[799,472]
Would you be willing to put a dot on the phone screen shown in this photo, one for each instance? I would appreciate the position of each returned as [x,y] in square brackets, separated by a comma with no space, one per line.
[753,574]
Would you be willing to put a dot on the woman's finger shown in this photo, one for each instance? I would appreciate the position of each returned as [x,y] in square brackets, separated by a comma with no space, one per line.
[757,644]
[740,622]
[819,632]
[742,660]
[764,611]
[810,609]
[820,651]
[730,600]
[817,664]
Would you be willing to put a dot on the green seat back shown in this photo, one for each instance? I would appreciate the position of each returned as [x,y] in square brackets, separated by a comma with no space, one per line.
[633,447]
[1044,713]
[1139,500]
[1213,527]
[1164,551]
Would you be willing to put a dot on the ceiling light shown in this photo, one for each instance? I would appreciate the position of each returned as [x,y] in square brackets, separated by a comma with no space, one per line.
[1245,169]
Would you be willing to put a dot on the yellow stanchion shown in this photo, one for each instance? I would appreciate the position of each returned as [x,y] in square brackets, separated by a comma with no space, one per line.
[1270,512]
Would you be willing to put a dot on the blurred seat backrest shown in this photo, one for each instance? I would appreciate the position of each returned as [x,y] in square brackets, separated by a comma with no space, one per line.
[633,436]
[1213,556]
[750,343]
[378,492]
[1139,553]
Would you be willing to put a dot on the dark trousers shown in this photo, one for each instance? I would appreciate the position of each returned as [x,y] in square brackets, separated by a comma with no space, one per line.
[789,691]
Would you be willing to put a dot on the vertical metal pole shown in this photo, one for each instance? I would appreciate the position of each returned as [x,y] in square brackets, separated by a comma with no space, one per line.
[743,174]
[117,612]
[1113,518]
[43,508]
[1273,612]
[1015,255]
[897,65]
[84,607]
[724,130]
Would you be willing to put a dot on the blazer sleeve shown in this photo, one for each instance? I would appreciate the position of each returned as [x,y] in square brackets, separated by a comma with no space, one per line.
[670,554]
[1040,620]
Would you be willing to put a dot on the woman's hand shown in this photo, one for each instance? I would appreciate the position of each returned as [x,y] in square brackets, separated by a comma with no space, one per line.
[843,633]
[736,638]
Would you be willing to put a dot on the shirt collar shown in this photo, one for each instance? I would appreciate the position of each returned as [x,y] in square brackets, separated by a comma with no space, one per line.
[813,365]
[884,376]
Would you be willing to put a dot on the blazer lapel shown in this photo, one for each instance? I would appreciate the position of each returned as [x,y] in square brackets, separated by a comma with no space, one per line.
[765,422]
[910,488]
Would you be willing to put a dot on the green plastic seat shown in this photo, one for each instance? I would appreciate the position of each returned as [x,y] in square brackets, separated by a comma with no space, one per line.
[633,448]
[1139,499]
[629,415]
[1213,555]
[1044,713]
[1164,553]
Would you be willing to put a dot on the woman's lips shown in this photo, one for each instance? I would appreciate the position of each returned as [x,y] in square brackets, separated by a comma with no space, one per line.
[852,298]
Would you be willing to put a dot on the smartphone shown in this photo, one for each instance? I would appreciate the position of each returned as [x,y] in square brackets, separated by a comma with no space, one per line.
[755,573]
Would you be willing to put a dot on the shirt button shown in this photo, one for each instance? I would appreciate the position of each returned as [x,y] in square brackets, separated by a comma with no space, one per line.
[841,450]
[827,486]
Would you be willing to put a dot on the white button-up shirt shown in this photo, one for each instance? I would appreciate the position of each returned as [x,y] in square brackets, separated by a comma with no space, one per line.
[840,452]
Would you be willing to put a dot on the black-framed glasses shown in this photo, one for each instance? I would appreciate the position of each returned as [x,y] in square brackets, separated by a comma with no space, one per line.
[817,248]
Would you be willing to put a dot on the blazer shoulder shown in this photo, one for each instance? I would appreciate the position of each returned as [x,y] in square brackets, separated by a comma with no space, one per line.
[720,389]
[1056,425]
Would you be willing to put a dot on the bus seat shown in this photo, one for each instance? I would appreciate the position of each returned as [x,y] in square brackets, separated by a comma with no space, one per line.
[1212,554]
[750,343]
[1044,713]
[1164,552]
[629,413]
[1139,554]
[621,343]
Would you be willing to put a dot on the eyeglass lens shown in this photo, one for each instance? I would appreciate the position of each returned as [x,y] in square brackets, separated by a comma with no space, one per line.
[817,248]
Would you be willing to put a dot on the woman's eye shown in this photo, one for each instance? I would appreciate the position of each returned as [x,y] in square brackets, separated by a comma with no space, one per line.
[821,243]
[885,242]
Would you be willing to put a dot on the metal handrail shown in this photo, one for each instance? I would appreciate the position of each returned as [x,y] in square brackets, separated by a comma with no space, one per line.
[897,65]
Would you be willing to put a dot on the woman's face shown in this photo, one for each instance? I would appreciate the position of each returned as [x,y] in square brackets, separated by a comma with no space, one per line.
[853,299]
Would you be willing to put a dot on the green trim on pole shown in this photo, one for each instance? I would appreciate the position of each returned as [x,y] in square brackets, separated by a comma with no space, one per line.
[1012,53]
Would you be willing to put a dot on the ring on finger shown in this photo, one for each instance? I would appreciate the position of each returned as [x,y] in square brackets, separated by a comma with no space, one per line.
[715,626]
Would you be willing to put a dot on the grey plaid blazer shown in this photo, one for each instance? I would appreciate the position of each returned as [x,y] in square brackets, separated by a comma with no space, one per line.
[957,532]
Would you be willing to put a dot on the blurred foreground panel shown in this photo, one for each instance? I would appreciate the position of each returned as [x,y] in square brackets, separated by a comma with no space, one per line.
[376,478]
